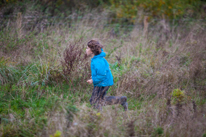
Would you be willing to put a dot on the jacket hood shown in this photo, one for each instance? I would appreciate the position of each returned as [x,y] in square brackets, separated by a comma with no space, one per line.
[102,54]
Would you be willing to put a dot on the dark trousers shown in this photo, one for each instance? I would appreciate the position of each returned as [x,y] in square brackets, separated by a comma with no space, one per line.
[99,98]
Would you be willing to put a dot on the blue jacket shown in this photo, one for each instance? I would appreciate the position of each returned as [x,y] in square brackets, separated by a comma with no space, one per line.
[101,73]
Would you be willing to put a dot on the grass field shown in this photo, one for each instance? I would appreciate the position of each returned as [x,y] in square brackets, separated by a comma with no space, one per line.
[43,73]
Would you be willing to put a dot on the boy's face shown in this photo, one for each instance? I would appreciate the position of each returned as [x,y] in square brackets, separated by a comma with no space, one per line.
[88,51]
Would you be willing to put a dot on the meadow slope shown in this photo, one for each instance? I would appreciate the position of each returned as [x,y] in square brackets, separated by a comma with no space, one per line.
[43,73]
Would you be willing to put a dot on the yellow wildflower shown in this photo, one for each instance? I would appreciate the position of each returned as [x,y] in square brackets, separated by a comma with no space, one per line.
[98,114]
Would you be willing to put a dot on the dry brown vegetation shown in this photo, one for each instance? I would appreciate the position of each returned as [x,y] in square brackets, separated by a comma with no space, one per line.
[147,69]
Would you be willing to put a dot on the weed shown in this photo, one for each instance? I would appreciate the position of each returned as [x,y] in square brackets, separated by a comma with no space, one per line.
[177,96]
[56,134]
[158,131]
[43,73]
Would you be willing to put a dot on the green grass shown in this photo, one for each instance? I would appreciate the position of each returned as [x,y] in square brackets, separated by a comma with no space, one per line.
[34,103]
[37,98]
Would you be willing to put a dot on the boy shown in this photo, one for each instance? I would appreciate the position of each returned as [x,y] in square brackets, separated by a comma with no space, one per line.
[102,78]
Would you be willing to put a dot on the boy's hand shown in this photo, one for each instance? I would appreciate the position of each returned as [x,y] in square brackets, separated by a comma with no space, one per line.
[90,81]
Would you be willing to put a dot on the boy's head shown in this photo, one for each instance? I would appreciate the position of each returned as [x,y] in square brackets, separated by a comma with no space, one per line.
[93,47]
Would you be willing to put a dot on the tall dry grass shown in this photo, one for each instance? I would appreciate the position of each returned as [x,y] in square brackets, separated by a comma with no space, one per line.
[146,69]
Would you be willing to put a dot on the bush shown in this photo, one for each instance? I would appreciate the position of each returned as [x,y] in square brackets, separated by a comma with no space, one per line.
[75,65]
[166,9]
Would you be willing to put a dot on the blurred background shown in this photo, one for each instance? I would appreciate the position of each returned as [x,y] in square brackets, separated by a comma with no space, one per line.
[123,12]
[156,51]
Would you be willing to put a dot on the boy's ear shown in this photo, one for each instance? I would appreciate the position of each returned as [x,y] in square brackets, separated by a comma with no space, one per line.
[101,46]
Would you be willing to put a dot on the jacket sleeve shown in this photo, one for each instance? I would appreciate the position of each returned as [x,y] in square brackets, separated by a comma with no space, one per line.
[98,72]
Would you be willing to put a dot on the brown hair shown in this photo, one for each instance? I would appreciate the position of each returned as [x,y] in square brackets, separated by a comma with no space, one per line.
[95,46]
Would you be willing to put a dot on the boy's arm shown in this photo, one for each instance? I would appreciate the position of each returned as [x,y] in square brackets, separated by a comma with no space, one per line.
[98,73]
